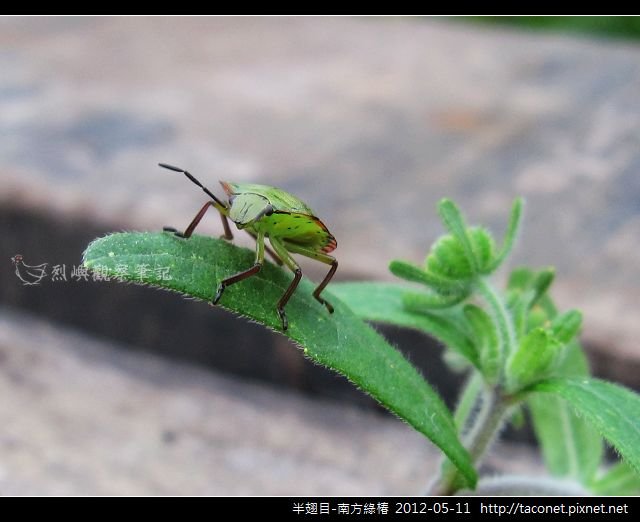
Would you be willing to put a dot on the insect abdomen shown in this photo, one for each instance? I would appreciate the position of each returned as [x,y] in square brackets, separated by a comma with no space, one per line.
[300,229]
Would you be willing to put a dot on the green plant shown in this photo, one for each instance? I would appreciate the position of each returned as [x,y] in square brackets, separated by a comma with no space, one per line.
[605,26]
[519,351]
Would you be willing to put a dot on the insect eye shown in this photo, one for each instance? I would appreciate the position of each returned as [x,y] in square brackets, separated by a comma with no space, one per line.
[269,211]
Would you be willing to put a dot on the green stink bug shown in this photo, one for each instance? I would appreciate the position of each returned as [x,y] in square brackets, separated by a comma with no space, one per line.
[268,212]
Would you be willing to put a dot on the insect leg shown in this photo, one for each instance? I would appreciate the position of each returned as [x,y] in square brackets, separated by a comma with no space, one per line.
[196,220]
[273,255]
[225,224]
[290,262]
[240,276]
[323,258]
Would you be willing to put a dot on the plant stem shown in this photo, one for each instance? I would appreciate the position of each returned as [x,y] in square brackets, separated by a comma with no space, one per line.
[484,429]
[501,316]
[469,399]
[487,424]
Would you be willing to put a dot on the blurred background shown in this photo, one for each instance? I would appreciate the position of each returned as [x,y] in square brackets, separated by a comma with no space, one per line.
[120,389]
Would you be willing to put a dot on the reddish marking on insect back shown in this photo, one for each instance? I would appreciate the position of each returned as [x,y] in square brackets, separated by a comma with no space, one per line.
[331,243]
[228,188]
[330,246]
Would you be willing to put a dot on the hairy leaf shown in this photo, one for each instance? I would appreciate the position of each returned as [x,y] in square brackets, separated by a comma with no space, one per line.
[340,341]
[383,302]
[612,409]
[620,479]
[486,341]
[454,222]
[511,235]
[533,358]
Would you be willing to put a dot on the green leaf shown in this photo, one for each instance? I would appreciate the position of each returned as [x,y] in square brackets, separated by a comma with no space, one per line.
[574,363]
[546,304]
[528,286]
[339,341]
[383,303]
[520,313]
[486,340]
[533,358]
[483,247]
[511,235]
[520,279]
[565,327]
[570,445]
[620,479]
[415,274]
[425,303]
[536,318]
[408,271]
[541,283]
[448,260]
[507,341]
[612,409]
[525,289]
[454,222]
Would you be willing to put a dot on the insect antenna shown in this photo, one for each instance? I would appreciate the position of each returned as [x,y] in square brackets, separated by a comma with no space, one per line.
[194,180]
